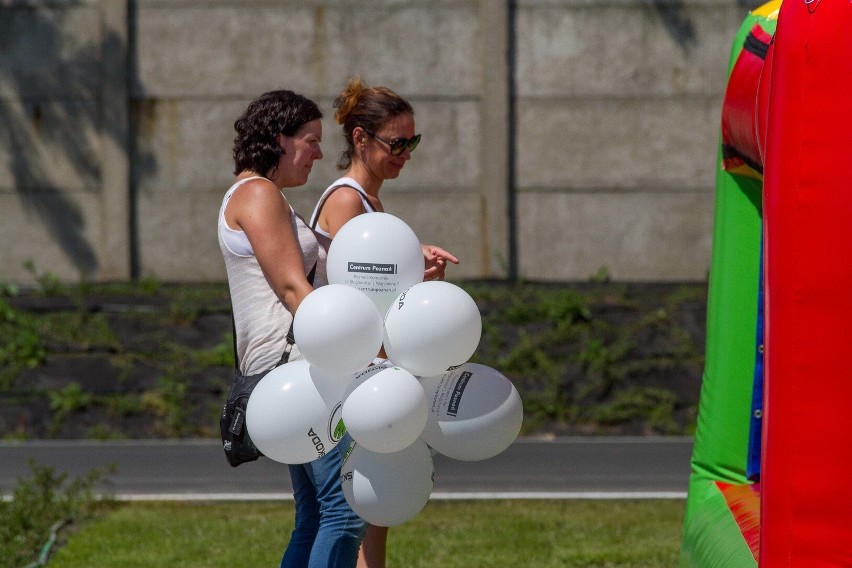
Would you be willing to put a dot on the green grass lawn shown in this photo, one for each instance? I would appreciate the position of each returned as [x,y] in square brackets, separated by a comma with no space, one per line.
[521,533]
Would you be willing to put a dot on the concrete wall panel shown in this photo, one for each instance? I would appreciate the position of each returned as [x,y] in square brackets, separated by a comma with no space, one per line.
[235,48]
[205,49]
[627,143]
[184,145]
[50,50]
[59,234]
[421,49]
[182,245]
[622,49]
[633,236]
[454,222]
[51,143]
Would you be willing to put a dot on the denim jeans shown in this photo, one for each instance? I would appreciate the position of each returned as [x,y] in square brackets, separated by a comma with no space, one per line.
[327,532]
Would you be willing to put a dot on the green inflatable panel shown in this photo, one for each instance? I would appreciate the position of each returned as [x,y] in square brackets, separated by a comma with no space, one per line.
[711,536]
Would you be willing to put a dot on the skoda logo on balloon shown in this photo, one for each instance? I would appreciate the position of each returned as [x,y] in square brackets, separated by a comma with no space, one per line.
[336,427]
[288,412]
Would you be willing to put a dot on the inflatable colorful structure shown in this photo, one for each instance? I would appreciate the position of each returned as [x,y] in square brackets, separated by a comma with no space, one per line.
[771,457]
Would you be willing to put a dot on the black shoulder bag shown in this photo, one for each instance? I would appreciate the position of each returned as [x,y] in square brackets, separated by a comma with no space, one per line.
[232,424]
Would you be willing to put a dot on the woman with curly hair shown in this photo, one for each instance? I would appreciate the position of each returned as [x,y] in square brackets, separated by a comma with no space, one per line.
[270,255]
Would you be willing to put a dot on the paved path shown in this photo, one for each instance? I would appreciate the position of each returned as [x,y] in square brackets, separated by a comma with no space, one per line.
[576,467]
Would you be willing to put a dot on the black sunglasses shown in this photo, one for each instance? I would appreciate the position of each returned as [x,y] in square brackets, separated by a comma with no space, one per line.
[398,145]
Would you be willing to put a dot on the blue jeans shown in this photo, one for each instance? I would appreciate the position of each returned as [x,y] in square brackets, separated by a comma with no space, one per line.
[327,532]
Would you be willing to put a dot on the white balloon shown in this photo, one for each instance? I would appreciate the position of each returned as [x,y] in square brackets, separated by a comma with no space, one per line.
[431,327]
[293,415]
[338,329]
[359,378]
[475,412]
[385,411]
[378,254]
[387,489]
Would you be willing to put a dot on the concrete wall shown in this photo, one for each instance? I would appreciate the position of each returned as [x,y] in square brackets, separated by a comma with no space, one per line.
[116,124]
[64,160]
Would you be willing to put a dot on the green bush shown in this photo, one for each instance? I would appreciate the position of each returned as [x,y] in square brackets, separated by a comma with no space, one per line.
[21,346]
[39,506]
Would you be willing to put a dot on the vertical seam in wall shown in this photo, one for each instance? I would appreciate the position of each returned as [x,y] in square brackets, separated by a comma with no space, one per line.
[511,145]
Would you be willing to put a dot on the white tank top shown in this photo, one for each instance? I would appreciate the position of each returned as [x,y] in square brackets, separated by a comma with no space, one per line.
[344,181]
[261,319]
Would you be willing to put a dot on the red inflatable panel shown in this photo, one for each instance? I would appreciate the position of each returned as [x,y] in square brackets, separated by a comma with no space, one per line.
[762,113]
[740,136]
[806,496]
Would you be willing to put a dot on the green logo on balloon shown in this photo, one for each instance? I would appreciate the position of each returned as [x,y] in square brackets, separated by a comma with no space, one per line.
[336,428]
[339,430]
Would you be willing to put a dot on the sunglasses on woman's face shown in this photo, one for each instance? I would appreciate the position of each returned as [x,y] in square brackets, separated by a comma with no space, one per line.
[398,145]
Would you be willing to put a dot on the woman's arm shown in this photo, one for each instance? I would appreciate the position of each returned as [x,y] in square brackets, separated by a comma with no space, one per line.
[259,210]
[342,205]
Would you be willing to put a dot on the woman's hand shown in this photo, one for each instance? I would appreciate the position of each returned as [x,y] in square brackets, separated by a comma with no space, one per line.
[436,262]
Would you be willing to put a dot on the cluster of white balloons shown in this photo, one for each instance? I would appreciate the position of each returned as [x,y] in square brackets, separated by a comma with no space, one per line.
[425,397]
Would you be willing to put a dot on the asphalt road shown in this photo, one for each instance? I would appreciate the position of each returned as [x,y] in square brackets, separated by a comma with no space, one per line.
[592,468]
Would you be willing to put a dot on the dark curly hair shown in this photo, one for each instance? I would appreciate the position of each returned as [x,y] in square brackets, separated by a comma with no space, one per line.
[276,112]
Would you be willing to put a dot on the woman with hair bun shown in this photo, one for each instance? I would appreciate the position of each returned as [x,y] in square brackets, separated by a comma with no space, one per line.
[378,125]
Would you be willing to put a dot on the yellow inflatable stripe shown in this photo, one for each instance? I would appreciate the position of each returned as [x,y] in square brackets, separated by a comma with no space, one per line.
[768,10]
[736,167]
